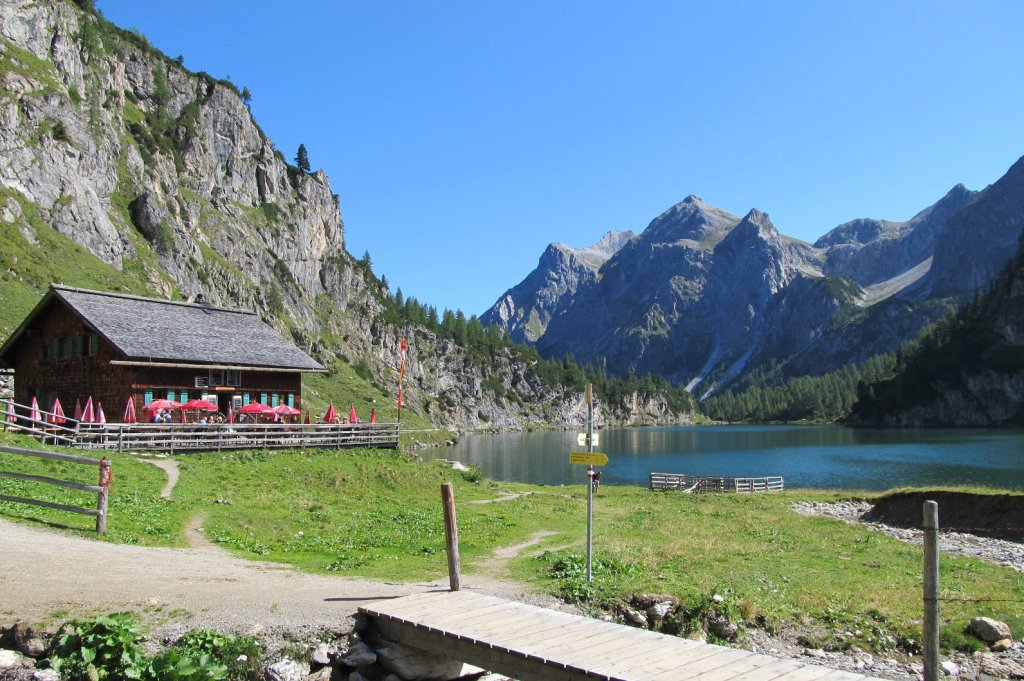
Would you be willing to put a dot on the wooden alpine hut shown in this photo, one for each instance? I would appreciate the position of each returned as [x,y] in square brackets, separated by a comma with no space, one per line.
[78,343]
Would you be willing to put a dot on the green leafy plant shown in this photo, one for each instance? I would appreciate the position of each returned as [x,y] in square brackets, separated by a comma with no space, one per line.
[175,665]
[240,656]
[105,647]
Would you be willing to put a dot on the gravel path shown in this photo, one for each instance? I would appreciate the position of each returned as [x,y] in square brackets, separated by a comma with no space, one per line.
[46,575]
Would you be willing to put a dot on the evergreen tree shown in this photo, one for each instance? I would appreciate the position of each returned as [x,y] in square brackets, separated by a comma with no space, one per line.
[302,159]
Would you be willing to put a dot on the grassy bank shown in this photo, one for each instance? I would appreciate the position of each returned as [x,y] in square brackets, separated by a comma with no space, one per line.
[378,514]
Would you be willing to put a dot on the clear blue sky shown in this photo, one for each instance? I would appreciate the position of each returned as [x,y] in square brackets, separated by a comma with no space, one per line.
[464,136]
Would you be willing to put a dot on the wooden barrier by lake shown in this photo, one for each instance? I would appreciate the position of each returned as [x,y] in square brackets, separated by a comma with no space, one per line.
[696,484]
[101,490]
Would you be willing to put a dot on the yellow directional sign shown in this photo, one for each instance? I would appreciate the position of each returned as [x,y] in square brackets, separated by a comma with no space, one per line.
[581,439]
[589,458]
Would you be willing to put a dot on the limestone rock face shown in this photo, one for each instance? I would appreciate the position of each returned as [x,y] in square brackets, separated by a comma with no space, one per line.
[163,173]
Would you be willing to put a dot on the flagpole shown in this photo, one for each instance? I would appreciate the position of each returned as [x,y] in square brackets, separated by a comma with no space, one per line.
[401,376]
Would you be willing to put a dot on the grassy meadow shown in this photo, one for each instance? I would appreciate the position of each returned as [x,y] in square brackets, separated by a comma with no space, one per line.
[377,513]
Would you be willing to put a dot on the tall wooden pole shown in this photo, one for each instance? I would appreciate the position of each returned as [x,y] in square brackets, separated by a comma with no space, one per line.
[930,645]
[104,493]
[590,482]
[451,533]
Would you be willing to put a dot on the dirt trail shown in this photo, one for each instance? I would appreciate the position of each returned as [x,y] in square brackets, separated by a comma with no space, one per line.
[170,467]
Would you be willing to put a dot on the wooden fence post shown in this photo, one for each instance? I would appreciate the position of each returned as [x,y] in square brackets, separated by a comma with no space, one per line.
[451,532]
[101,506]
[930,644]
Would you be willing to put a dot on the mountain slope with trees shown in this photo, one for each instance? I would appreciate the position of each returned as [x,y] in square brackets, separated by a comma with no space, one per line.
[967,370]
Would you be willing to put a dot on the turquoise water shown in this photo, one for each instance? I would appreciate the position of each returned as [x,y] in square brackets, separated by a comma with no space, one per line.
[807,456]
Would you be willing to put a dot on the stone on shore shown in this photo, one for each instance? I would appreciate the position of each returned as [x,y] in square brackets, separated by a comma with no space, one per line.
[990,630]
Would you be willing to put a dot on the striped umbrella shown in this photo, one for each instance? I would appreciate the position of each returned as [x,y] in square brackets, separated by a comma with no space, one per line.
[33,412]
[89,412]
[129,412]
[57,413]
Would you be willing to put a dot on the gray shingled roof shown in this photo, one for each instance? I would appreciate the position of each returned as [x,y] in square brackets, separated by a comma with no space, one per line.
[147,329]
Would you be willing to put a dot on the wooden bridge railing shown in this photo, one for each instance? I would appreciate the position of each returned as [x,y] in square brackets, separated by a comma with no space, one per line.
[102,489]
[696,484]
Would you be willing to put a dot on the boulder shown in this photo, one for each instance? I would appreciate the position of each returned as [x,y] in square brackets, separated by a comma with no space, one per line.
[1001,666]
[321,655]
[28,641]
[634,617]
[414,664]
[1002,645]
[320,675]
[287,670]
[10,659]
[659,611]
[721,626]
[359,655]
[950,668]
[45,675]
[990,630]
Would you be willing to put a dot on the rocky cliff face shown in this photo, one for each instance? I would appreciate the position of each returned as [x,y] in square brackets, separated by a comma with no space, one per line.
[525,310]
[164,175]
[708,299]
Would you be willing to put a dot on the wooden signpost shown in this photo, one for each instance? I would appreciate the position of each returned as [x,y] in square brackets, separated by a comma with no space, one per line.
[589,458]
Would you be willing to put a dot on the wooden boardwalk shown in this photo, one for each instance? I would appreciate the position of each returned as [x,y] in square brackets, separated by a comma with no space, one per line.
[526,642]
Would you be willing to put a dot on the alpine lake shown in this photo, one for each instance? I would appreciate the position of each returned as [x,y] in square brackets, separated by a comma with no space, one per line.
[807,456]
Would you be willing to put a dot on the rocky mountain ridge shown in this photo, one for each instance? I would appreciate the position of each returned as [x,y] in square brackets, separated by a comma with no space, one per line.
[157,180]
[711,300]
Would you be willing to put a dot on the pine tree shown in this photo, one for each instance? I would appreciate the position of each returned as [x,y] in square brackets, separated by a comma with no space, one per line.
[302,159]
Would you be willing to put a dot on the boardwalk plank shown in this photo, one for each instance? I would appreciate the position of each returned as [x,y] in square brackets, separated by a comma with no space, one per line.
[531,643]
[685,669]
[656,656]
[753,662]
[803,672]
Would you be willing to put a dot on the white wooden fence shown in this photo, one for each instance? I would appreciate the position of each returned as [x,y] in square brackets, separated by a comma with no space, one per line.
[177,437]
[696,484]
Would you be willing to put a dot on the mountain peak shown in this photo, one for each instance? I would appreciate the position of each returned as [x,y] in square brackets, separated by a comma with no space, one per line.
[691,219]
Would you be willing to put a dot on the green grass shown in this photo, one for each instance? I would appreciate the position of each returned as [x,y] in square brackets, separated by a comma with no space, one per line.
[137,514]
[343,386]
[377,513]
[27,270]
